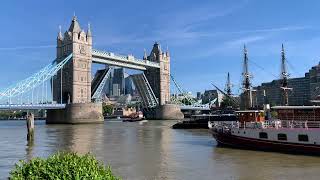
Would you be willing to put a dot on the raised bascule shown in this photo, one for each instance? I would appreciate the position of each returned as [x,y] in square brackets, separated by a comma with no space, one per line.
[73,86]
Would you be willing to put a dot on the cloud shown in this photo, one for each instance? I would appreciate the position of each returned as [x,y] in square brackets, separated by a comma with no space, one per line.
[26,47]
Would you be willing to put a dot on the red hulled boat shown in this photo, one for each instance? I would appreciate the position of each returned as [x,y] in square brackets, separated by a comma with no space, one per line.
[296,130]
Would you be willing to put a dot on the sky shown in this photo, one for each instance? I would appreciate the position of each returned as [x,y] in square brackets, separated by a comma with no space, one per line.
[205,38]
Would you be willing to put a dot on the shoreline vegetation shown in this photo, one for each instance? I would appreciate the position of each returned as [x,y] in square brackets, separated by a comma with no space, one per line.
[62,165]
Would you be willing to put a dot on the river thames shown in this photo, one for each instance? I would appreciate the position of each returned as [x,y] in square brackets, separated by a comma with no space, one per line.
[151,151]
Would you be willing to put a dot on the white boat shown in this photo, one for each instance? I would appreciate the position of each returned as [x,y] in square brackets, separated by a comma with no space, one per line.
[296,130]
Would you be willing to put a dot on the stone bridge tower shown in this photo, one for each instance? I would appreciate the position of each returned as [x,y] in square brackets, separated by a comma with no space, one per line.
[75,77]
[76,74]
[159,79]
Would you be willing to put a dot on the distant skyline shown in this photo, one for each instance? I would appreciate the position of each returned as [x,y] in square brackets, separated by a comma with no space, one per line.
[205,39]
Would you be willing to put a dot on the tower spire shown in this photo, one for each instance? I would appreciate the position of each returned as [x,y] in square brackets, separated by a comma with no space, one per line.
[145,55]
[284,77]
[75,26]
[167,52]
[89,34]
[60,37]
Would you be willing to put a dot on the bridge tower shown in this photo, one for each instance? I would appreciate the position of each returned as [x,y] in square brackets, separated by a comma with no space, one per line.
[76,74]
[75,77]
[159,80]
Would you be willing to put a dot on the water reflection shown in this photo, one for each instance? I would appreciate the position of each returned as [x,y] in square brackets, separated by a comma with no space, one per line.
[151,151]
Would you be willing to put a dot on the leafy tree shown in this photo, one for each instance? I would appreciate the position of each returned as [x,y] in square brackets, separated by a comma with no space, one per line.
[107,109]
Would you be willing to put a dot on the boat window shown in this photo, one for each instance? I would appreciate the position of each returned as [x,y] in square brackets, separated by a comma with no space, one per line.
[263,135]
[303,137]
[282,137]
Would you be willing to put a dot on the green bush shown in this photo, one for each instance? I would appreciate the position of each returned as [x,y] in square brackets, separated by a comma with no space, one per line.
[62,165]
[107,109]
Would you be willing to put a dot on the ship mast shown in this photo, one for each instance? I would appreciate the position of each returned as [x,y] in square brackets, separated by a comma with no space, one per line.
[246,84]
[284,79]
[228,86]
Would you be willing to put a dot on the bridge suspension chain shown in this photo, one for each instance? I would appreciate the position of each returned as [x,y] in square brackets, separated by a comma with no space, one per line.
[35,80]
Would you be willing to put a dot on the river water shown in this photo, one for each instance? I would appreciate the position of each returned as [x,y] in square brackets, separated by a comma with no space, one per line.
[152,151]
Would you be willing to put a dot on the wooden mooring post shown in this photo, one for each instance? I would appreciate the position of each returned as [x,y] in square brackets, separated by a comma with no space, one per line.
[30,126]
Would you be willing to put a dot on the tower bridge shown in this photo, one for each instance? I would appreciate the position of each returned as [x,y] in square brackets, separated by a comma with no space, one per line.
[75,92]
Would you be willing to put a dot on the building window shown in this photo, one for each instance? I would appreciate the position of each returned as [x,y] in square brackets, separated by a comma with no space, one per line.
[263,135]
[282,137]
[303,137]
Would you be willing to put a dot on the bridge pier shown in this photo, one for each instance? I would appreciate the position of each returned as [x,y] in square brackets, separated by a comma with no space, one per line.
[78,113]
[164,112]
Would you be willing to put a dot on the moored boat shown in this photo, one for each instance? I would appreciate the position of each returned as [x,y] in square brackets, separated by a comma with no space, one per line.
[296,130]
[201,121]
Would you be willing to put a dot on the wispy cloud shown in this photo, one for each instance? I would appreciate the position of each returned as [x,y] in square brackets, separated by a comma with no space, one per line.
[26,47]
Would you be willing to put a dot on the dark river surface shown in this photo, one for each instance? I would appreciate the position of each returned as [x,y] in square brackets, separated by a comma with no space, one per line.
[152,151]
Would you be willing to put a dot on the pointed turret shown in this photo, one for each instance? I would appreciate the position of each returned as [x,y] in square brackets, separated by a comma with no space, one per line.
[167,52]
[145,57]
[60,37]
[89,34]
[156,48]
[74,27]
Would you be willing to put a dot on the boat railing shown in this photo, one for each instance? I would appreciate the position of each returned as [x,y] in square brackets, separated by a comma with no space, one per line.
[281,124]
[268,124]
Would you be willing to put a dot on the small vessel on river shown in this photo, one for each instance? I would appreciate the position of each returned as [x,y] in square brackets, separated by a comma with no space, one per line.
[296,130]
[201,121]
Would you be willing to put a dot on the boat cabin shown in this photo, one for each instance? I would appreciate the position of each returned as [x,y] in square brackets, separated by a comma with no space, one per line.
[298,113]
[250,115]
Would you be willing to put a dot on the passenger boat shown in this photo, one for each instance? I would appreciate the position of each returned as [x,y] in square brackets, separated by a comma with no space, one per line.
[295,130]
[201,121]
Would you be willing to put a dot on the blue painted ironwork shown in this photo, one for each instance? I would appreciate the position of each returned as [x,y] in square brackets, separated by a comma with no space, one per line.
[149,100]
[35,80]
[97,96]
[129,61]
[31,106]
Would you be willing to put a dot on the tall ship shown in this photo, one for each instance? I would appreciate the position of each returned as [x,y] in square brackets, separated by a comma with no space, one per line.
[296,129]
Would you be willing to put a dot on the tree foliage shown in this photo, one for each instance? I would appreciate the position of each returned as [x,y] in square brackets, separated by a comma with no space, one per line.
[62,165]
[107,109]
